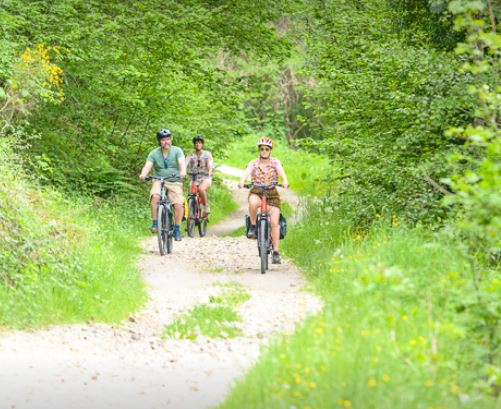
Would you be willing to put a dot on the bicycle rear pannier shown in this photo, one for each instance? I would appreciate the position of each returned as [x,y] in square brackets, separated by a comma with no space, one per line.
[283,226]
[247,224]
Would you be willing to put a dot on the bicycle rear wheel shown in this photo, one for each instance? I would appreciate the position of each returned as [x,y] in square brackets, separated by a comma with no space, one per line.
[262,240]
[192,215]
[162,231]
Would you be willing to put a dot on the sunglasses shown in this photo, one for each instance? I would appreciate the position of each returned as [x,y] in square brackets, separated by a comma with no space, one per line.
[166,163]
[264,149]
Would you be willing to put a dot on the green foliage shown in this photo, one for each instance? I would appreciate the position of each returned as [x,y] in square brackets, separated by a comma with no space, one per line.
[478,184]
[132,68]
[215,320]
[377,104]
[63,259]
[221,201]
[307,172]
[32,78]
[424,22]
[403,325]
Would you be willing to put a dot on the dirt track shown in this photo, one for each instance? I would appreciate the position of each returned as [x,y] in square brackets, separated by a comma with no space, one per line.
[128,365]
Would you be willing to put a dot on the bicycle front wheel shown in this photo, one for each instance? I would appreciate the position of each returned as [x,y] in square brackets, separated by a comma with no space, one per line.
[162,231]
[202,227]
[192,215]
[262,239]
[169,223]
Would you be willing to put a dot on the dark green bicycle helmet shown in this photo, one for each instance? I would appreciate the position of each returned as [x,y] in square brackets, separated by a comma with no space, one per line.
[162,133]
[198,138]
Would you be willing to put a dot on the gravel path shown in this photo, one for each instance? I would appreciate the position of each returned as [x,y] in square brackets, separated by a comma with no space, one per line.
[128,365]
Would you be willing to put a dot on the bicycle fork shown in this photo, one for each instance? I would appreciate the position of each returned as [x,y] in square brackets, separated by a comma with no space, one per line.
[263,221]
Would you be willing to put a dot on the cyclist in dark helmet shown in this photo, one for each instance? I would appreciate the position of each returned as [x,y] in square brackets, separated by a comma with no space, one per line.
[200,163]
[166,160]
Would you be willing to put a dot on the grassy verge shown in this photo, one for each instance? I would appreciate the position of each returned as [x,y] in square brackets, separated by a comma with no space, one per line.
[215,320]
[68,260]
[65,260]
[306,171]
[400,328]
[220,200]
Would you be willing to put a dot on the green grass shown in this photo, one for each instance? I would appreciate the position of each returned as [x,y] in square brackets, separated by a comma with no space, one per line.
[396,331]
[64,259]
[220,200]
[238,232]
[215,320]
[75,261]
[71,259]
[306,172]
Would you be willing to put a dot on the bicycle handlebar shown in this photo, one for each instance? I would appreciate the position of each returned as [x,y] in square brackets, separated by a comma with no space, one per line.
[267,187]
[163,178]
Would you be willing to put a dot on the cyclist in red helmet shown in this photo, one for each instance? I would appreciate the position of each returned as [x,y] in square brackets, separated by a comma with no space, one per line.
[265,170]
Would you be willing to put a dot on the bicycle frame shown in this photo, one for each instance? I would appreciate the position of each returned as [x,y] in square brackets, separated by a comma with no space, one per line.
[194,193]
[165,217]
[195,217]
[263,224]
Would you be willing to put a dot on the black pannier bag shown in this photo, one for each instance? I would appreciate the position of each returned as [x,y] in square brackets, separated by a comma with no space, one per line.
[283,226]
[247,224]
[282,223]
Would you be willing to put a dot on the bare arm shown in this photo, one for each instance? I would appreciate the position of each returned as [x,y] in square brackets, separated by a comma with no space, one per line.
[182,167]
[281,173]
[245,176]
[146,169]
[210,164]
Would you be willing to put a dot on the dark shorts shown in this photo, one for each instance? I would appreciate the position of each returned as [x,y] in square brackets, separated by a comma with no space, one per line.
[273,197]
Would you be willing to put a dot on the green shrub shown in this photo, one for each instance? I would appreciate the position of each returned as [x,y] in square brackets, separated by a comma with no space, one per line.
[64,259]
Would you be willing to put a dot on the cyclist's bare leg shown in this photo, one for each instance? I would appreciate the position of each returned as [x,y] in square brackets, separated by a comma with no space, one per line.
[254,203]
[202,189]
[178,213]
[153,203]
[275,228]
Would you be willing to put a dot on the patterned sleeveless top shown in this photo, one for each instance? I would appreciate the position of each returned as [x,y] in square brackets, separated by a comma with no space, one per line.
[264,174]
[199,164]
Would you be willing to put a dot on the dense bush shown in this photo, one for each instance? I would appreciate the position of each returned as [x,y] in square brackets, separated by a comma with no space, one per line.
[131,68]
[63,259]
[379,106]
